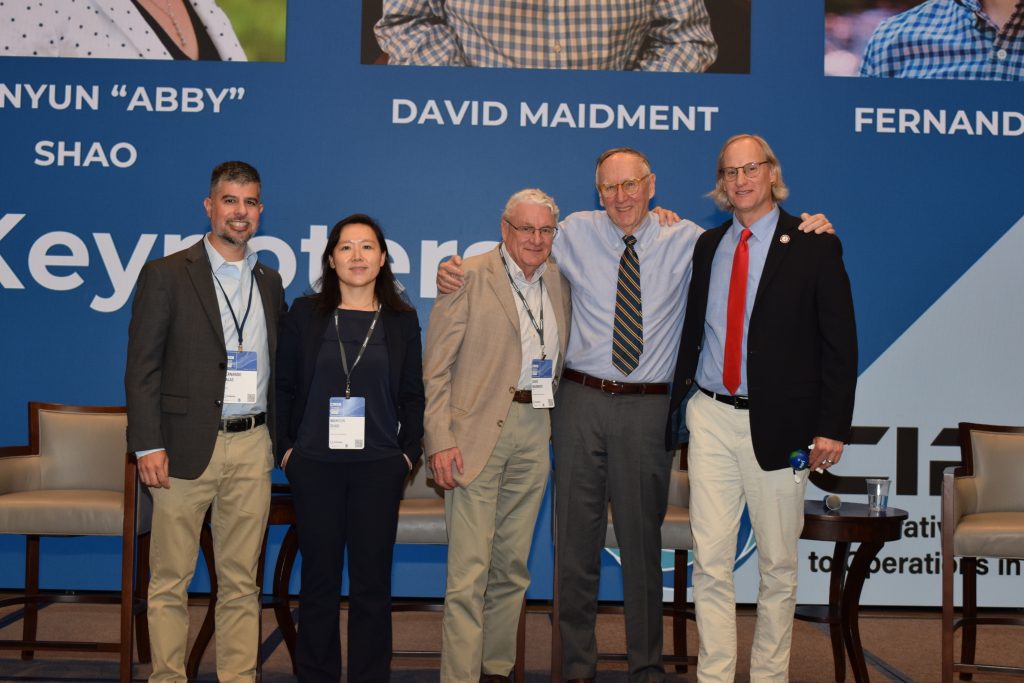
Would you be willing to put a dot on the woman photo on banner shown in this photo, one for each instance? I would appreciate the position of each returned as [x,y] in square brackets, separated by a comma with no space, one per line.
[349,396]
[120,29]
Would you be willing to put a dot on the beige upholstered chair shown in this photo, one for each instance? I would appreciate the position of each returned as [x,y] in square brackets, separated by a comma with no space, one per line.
[421,521]
[76,479]
[676,536]
[982,516]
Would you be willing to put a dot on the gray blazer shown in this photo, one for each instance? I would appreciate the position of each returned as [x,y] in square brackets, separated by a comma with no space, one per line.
[177,360]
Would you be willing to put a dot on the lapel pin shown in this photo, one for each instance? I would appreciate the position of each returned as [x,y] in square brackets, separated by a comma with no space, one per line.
[784,239]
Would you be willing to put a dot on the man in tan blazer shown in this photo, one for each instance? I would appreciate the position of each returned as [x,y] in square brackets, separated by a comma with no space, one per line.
[494,352]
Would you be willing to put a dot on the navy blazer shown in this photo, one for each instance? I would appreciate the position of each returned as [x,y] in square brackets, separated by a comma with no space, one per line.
[801,342]
[299,340]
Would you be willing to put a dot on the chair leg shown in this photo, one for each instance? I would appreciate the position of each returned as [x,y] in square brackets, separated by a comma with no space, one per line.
[282,580]
[31,592]
[142,600]
[519,670]
[947,617]
[970,613]
[679,609]
[127,606]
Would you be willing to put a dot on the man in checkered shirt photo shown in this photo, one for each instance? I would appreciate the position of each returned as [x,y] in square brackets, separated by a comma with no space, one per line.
[963,39]
[618,35]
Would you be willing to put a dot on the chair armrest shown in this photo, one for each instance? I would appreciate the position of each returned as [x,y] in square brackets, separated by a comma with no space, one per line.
[19,473]
[959,497]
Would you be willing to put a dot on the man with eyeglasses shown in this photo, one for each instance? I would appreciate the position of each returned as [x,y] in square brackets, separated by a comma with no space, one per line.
[494,352]
[770,340]
[608,421]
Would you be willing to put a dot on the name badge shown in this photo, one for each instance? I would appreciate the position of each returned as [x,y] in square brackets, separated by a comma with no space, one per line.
[240,383]
[542,384]
[347,423]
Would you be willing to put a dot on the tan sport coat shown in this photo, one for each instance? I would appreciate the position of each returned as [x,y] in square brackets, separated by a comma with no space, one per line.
[473,357]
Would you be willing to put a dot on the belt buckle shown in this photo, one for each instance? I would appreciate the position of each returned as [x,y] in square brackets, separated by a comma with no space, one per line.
[741,402]
[238,424]
[610,382]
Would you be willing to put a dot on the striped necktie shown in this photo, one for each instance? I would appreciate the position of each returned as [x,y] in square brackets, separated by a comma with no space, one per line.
[628,329]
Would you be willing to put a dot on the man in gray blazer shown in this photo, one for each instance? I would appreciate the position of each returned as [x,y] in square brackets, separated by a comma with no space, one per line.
[494,351]
[201,345]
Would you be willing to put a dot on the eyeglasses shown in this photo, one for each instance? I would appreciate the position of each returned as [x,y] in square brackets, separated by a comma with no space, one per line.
[545,231]
[630,186]
[751,170]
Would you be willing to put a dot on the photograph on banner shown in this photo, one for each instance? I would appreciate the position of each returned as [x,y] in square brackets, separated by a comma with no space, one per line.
[955,39]
[185,30]
[599,35]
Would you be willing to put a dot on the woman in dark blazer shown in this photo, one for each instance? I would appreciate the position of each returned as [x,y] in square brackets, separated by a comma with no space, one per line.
[350,419]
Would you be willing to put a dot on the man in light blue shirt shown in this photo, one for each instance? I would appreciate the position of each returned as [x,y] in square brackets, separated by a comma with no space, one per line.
[607,424]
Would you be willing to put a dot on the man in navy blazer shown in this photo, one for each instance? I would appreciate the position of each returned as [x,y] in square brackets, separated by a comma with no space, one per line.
[770,340]
[200,394]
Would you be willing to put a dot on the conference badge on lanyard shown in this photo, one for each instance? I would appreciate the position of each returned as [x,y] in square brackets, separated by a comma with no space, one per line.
[347,423]
[542,382]
[347,418]
[240,382]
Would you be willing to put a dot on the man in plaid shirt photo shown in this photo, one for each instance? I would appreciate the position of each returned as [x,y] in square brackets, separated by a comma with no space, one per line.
[618,35]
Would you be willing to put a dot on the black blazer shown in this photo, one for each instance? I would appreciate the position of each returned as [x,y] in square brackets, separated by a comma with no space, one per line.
[177,360]
[801,342]
[299,339]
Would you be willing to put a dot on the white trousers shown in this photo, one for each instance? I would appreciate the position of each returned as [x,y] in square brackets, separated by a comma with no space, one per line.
[724,474]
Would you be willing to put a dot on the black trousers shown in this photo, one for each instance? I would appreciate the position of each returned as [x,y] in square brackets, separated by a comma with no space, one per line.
[341,505]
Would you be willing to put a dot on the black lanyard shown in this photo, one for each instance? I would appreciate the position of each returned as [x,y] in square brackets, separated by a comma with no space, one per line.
[533,321]
[359,356]
[248,306]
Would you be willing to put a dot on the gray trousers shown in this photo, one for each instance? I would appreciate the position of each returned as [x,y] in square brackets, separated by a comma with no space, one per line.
[610,447]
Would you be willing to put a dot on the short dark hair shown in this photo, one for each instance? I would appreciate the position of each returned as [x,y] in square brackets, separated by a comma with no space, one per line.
[328,295]
[233,172]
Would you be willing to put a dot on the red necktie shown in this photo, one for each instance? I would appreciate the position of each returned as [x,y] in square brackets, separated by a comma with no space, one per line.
[734,318]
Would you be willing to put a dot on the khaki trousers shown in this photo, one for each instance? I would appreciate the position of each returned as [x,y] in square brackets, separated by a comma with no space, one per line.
[237,484]
[723,475]
[490,529]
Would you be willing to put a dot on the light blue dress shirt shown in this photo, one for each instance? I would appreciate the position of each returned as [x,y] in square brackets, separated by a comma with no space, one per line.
[709,369]
[236,283]
[588,248]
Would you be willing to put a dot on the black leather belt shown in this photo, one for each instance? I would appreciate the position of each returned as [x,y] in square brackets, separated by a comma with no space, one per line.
[242,424]
[737,402]
[612,387]
[523,396]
